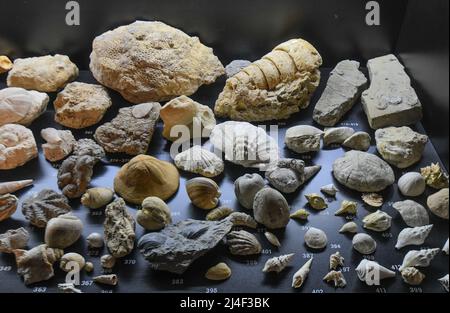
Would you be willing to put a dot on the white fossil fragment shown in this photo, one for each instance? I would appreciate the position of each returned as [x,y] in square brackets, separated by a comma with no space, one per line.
[419,258]
[303,138]
[413,236]
[445,248]
[358,141]
[336,260]
[272,239]
[372,272]
[300,276]
[364,243]
[336,135]
[316,238]
[444,282]
[277,264]
[199,161]
[60,143]
[413,213]
[411,184]
[68,288]
[337,278]
[329,190]
[412,276]
[350,227]
[377,221]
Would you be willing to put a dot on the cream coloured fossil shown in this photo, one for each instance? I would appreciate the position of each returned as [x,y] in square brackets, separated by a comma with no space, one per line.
[72,261]
[277,264]
[373,199]
[8,206]
[203,192]
[96,198]
[336,260]
[200,161]
[315,238]
[434,176]
[419,258]
[95,241]
[59,143]
[350,227]
[444,281]
[413,213]
[413,236]
[336,135]
[329,190]
[377,221]
[63,231]
[154,214]
[107,261]
[316,201]
[300,214]
[243,243]
[246,187]
[13,186]
[411,184]
[17,146]
[371,272]
[242,219]
[272,239]
[110,279]
[438,203]
[337,278]
[219,213]
[412,276]
[271,208]
[364,243]
[303,138]
[14,239]
[220,271]
[300,276]
[358,141]
[347,208]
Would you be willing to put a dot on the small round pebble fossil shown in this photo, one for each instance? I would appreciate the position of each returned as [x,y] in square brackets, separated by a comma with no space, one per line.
[411,184]
[220,271]
[316,238]
[95,241]
[89,267]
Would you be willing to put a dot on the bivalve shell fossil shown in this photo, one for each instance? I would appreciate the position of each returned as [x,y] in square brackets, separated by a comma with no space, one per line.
[246,187]
[96,198]
[243,243]
[63,231]
[413,236]
[242,219]
[203,192]
[336,135]
[277,264]
[377,221]
[413,213]
[358,141]
[303,138]
[316,238]
[8,206]
[364,243]
[411,184]
[199,161]
[219,272]
[271,208]
[154,214]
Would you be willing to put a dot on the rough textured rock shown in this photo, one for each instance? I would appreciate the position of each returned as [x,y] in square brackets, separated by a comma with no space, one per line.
[303,138]
[14,239]
[47,73]
[336,135]
[21,106]
[274,87]
[175,247]
[363,172]
[235,67]
[400,146]
[343,88]
[200,161]
[358,141]
[17,146]
[390,100]
[438,203]
[119,227]
[5,64]
[151,61]
[60,143]
[271,209]
[81,105]
[131,130]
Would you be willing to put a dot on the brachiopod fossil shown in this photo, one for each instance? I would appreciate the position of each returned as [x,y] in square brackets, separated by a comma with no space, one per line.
[350,227]
[329,190]
[199,161]
[95,241]
[413,213]
[377,221]
[316,201]
[95,198]
[372,273]
[444,282]
[336,135]
[411,184]
[271,209]
[413,236]
[203,192]
[434,176]
[337,278]
[277,264]
[347,207]
[316,238]
[154,214]
[300,214]
[242,219]
[272,239]
[111,279]
[219,213]
[303,138]
[243,243]
[373,199]
[336,260]
[107,261]
[14,239]
[72,262]
[364,243]
[63,231]
[300,276]
[246,187]
[220,271]
[438,203]
[412,276]
[358,141]
[8,206]
[419,258]
[13,186]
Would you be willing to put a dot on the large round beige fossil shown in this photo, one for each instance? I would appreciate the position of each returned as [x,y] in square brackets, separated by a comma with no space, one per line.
[17,146]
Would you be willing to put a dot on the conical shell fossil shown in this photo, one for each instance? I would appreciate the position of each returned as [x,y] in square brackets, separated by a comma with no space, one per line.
[336,135]
[377,221]
[68,261]
[111,279]
[277,264]
[336,261]
[199,161]
[372,273]
[300,276]
[329,190]
[220,271]
[316,201]
[96,198]
[419,258]
[413,213]
[14,239]
[445,248]
[242,219]
[337,278]
[59,143]
[63,231]
[373,199]
[271,208]
[413,236]
[411,184]
[444,282]
[364,243]
[219,213]
[246,187]
[95,241]
[36,265]
[412,276]
[316,238]
[8,206]
[243,243]
[300,214]
[13,186]
[358,141]
[272,239]
[347,207]
[203,192]
[154,214]
[350,227]
[438,203]
[435,176]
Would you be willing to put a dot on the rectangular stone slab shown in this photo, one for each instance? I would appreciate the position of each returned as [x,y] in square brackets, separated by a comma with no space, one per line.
[390,99]
[343,88]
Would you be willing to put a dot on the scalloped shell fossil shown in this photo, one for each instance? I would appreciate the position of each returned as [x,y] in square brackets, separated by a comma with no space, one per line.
[300,214]
[316,201]
[413,236]
[154,214]
[8,206]
[434,176]
[358,141]
[67,262]
[219,213]
[411,184]
[242,219]
[377,221]
[199,161]
[419,258]
[203,192]
[277,264]
[95,241]
[337,278]
[350,227]
[96,198]
[371,271]
[336,135]
[300,276]
[14,239]
[272,239]
[336,260]
[40,207]
[364,243]
[444,281]
[329,190]
[17,146]
[218,272]
[438,203]
[412,276]
[59,143]
[413,213]
[271,208]
[110,279]
[13,186]
[303,138]
[316,238]
[243,243]
[63,231]
[246,187]
[373,199]
[347,208]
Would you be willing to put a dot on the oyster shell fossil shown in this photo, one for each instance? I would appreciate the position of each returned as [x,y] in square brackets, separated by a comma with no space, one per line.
[316,201]
[412,276]
[271,208]
[358,141]
[63,231]
[336,135]
[364,243]
[413,213]
[96,198]
[203,192]
[219,272]
[329,190]
[200,161]
[272,239]
[337,278]
[14,239]
[110,279]
[277,264]
[154,214]
[300,276]
[219,213]
[347,207]
[40,207]
[59,143]
[300,214]
[434,176]
[303,138]
[316,238]
[13,186]
[95,241]
[36,265]
[438,203]
[372,272]
[411,184]
[419,258]
[242,219]
[336,260]
[444,282]
[377,221]
[363,172]
[243,243]
[107,261]
[274,87]
[350,227]
[8,206]
[17,146]
[68,261]
[413,236]
[373,199]
[244,144]
[246,187]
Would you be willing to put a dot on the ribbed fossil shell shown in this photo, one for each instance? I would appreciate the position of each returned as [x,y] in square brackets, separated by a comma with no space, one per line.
[219,213]
[350,227]
[13,186]
[413,213]
[199,161]
[277,264]
[63,231]
[271,208]
[300,276]
[364,243]
[96,198]
[8,206]
[154,214]
[43,206]
[243,243]
[68,261]
[272,239]
[95,241]
[419,258]
[411,184]
[413,236]
[303,138]
[337,278]
[316,238]
[373,199]
[300,214]
[336,135]
[347,207]
[220,271]
[110,279]
[444,282]
[372,272]
[377,221]
[107,261]
[412,276]
[246,187]
[14,239]
[329,190]
[434,176]
[203,192]
[316,201]
[358,141]
[438,203]
[242,219]
[336,260]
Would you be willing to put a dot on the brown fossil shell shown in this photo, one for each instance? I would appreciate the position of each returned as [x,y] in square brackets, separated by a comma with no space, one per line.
[203,192]
[373,199]
[220,271]
[154,214]
[63,231]
[219,213]
[242,219]
[8,205]
[96,198]
[243,243]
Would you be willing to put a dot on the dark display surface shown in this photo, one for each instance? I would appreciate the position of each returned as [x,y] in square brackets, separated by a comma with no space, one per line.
[134,272]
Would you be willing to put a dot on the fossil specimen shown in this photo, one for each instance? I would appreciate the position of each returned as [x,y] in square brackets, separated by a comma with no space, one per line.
[246,187]
[107,261]
[131,130]
[377,221]
[373,199]
[364,243]
[14,239]
[390,100]
[68,288]
[200,161]
[343,88]
[176,246]
[63,231]
[40,207]
[413,236]
[242,219]
[145,176]
[363,172]
[347,208]
[274,87]
[36,265]
[445,248]
[76,172]
[235,67]
[21,106]
[336,135]
[277,264]
[219,213]
[336,261]
[95,241]
[300,214]
[5,64]
[272,239]
[13,186]
[110,279]
[411,184]
[419,258]
[413,213]
[185,112]
[243,243]
[154,214]
[98,197]
[412,276]
[316,238]
[300,276]
[271,209]
[337,278]
[400,146]
[46,73]
[444,282]
[329,190]
[316,201]
[434,176]
[372,272]
[358,141]
[350,227]
[89,267]
[220,271]
[8,206]
[59,143]
[203,192]
[303,138]
[151,61]
[17,146]
[68,261]
[244,144]
[119,227]
[438,203]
